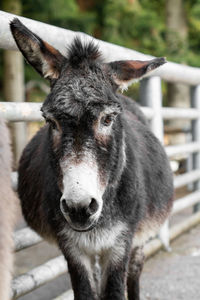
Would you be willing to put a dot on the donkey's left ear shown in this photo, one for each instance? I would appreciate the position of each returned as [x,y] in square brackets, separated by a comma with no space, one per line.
[125,72]
[43,57]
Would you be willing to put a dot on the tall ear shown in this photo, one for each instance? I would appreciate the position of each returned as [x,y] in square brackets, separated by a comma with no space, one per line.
[42,56]
[125,72]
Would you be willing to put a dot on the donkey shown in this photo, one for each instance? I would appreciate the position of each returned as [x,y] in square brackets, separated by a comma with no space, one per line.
[8,205]
[94,179]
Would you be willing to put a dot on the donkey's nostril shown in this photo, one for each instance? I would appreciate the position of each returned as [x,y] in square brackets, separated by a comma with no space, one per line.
[93,206]
[79,210]
[65,207]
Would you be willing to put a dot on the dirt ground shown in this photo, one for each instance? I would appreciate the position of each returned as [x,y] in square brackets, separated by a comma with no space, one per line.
[166,276]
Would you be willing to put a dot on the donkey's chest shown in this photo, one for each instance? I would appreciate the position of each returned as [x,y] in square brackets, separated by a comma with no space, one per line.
[98,240]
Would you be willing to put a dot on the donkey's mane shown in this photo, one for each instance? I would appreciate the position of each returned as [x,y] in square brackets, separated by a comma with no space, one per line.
[79,52]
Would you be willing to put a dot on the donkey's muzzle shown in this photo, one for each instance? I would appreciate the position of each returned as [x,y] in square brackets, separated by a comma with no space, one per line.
[80,216]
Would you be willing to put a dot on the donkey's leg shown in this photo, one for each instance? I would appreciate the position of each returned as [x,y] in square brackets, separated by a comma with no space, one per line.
[115,267]
[81,273]
[81,283]
[135,268]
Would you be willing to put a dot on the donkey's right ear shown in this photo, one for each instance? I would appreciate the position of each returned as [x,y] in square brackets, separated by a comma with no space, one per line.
[42,56]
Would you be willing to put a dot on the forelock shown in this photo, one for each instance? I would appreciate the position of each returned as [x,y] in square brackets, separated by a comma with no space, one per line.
[79,52]
[77,96]
[82,83]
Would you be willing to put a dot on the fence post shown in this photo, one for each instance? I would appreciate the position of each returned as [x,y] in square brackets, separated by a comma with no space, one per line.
[14,91]
[151,95]
[195,102]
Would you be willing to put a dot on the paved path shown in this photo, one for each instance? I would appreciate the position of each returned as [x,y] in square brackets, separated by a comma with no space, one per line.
[166,276]
[175,275]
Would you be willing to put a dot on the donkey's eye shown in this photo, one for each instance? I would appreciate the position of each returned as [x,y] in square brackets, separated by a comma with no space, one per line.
[107,120]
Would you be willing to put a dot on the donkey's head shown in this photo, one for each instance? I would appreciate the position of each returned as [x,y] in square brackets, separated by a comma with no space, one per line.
[83,114]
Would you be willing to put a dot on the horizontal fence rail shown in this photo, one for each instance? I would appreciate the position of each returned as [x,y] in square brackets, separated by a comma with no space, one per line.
[186,202]
[24,111]
[186,178]
[186,148]
[25,238]
[21,111]
[38,276]
[169,113]
[60,38]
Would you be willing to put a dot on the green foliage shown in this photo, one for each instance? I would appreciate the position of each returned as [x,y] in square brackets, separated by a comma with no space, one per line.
[133,27]
[137,24]
[194,34]
[61,13]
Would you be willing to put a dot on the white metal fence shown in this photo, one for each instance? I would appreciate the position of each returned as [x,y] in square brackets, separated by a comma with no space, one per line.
[151,95]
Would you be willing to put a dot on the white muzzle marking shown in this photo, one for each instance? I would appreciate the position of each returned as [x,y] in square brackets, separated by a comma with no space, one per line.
[81,182]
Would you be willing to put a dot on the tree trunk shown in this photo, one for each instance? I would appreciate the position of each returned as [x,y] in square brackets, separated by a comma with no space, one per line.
[14,91]
[177,33]
[86,5]
[13,83]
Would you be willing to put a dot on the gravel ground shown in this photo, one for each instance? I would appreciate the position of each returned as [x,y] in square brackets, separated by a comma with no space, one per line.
[166,276]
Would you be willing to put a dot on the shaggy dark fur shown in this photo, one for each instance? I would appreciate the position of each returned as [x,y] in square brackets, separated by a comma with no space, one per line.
[7,213]
[133,167]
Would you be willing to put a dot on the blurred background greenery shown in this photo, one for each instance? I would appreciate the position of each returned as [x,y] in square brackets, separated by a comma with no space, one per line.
[161,28]
[138,24]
